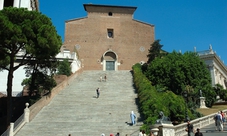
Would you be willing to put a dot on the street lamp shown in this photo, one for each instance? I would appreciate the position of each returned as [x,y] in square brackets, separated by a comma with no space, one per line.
[185,94]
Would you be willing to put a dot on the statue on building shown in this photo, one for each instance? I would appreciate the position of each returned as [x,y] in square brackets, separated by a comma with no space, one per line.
[210,47]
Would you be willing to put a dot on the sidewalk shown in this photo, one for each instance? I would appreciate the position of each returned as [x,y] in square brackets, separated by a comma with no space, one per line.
[210,130]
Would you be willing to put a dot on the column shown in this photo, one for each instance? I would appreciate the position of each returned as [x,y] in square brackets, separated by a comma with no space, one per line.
[26,113]
[212,73]
[11,129]
[16,3]
[1,4]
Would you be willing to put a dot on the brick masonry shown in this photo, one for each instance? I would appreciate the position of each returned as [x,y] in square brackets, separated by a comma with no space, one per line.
[89,36]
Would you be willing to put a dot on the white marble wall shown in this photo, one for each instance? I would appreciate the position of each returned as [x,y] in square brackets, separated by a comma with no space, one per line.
[29,4]
[218,75]
[218,69]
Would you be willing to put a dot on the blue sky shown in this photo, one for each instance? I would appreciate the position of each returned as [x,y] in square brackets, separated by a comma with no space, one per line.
[179,24]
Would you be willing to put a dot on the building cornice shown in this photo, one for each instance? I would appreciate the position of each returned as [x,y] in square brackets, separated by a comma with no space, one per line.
[216,59]
[143,22]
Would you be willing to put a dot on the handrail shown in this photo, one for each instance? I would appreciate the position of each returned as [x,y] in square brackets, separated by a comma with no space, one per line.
[197,123]
[18,122]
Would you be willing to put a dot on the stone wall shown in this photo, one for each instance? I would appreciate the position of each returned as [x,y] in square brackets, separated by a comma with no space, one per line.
[35,108]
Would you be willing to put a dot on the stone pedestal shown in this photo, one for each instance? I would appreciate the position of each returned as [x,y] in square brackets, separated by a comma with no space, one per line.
[202,102]
[164,129]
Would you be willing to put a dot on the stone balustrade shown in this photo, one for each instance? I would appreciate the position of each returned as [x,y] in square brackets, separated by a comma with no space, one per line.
[179,130]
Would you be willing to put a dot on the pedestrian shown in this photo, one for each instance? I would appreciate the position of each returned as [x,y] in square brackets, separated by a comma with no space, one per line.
[118,134]
[189,128]
[198,133]
[105,77]
[219,122]
[102,134]
[223,117]
[98,92]
[151,134]
[100,78]
[143,133]
[215,121]
[133,117]
[140,133]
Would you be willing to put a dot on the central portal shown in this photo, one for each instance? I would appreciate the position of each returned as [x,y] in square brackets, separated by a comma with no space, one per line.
[109,60]
[110,65]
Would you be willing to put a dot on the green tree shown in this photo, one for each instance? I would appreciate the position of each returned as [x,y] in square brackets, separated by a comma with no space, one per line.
[64,68]
[175,71]
[221,92]
[43,84]
[155,51]
[28,31]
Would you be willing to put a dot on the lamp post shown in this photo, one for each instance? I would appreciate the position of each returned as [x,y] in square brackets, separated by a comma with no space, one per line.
[185,94]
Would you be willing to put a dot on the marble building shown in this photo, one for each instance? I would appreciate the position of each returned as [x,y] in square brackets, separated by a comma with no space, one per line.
[216,66]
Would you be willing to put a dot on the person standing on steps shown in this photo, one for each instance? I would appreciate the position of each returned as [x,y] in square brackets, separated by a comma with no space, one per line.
[105,77]
[98,92]
[100,78]
[190,129]
[133,118]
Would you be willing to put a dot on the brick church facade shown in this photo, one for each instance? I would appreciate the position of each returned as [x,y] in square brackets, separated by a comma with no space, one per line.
[108,38]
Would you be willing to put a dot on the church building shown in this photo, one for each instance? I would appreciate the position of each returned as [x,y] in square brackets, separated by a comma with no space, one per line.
[108,38]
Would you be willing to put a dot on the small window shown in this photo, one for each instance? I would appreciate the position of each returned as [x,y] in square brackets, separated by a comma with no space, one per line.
[110,33]
[110,14]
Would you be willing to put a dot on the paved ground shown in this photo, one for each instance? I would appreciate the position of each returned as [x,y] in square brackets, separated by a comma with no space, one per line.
[211,131]
[77,111]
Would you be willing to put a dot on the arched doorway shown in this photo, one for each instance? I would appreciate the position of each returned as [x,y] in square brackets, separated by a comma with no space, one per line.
[109,60]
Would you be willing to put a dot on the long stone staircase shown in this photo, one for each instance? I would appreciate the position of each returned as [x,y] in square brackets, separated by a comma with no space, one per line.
[77,111]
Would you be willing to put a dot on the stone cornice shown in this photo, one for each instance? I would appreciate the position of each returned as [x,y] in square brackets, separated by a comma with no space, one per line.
[216,59]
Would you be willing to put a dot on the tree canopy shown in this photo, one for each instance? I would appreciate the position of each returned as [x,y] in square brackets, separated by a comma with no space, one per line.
[64,68]
[182,72]
[27,31]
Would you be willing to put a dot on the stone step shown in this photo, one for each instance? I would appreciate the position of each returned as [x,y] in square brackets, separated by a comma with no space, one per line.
[77,111]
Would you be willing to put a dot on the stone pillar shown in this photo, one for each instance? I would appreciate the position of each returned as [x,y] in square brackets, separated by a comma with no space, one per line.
[1,4]
[11,129]
[26,113]
[202,102]
[155,131]
[212,73]
[16,3]
[163,129]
